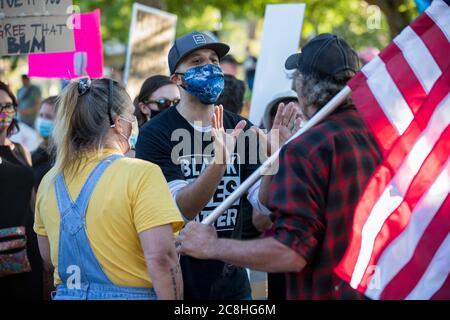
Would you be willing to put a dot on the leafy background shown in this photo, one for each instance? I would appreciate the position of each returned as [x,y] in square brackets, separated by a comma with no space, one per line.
[240,22]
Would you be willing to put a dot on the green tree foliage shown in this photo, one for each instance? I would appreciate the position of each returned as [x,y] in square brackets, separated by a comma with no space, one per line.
[362,23]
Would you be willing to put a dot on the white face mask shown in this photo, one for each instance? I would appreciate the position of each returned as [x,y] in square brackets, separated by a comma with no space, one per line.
[132,139]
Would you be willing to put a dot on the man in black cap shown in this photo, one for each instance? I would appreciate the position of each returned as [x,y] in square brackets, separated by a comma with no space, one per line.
[314,194]
[201,161]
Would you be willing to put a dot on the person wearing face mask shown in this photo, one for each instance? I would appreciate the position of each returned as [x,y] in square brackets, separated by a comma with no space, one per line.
[157,94]
[104,221]
[322,175]
[196,146]
[45,122]
[20,262]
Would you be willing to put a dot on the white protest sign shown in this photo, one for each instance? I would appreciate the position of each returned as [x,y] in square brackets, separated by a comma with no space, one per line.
[152,33]
[35,26]
[281,38]
[27,137]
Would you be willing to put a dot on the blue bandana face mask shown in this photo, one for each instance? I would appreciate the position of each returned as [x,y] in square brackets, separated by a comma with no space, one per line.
[204,82]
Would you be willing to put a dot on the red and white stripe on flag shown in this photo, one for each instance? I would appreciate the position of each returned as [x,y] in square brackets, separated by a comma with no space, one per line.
[400,242]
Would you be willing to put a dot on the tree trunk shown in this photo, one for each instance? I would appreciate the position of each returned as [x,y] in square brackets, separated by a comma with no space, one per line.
[397,20]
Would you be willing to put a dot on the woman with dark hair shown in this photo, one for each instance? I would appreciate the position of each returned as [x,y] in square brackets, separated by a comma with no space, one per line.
[157,94]
[20,263]
[45,122]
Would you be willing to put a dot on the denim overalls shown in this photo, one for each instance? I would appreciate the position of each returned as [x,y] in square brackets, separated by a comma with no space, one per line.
[80,272]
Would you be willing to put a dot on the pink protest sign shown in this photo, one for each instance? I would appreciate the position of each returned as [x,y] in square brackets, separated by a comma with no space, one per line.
[87,59]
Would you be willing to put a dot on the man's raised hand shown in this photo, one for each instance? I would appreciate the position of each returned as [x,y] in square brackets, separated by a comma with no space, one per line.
[224,143]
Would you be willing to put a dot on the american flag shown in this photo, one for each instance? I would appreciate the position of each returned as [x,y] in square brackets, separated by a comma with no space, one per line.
[400,243]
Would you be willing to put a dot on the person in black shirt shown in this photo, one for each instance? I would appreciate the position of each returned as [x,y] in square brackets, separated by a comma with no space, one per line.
[17,202]
[202,162]
[42,158]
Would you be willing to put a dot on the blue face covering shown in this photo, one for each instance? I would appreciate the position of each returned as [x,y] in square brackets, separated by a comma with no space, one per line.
[44,127]
[204,82]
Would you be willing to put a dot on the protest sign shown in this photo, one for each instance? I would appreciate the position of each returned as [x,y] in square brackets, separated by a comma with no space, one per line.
[27,136]
[152,33]
[281,38]
[35,26]
[87,59]
[18,8]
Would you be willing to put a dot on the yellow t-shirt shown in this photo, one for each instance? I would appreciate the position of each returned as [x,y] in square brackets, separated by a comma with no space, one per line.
[131,196]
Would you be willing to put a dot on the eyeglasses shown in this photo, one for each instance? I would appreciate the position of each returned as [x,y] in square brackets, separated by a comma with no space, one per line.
[163,103]
[7,107]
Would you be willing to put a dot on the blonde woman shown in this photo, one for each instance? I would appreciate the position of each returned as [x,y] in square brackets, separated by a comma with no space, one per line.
[105,222]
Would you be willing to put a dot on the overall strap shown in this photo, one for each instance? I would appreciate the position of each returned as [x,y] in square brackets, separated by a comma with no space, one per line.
[89,186]
[75,252]
[63,198]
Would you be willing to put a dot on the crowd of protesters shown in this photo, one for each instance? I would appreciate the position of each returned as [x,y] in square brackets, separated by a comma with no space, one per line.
[110,205]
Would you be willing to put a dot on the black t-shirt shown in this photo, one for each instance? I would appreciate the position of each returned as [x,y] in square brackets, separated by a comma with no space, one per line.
[183,153]
[42,163]
[16,187]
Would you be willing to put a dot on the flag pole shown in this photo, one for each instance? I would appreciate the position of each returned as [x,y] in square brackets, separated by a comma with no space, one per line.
[250,181]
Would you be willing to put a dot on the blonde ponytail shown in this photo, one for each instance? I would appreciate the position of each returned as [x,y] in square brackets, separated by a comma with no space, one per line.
[62,133]
[82,121]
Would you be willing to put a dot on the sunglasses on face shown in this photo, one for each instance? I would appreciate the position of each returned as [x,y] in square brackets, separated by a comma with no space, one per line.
[7,107]
[163,103]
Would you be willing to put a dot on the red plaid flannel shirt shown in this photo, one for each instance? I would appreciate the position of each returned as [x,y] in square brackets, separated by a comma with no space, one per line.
[322,175]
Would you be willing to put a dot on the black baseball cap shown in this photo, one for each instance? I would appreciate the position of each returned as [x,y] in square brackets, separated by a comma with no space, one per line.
[324,56]
[191,42]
